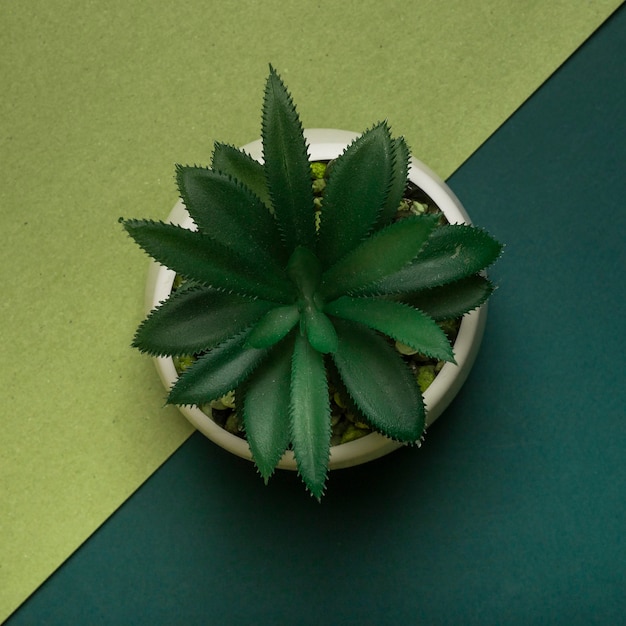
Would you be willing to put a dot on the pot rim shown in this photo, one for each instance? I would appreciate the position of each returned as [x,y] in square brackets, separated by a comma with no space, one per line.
[326,143]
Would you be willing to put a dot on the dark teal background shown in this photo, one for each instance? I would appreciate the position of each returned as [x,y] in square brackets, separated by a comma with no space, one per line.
[513,511]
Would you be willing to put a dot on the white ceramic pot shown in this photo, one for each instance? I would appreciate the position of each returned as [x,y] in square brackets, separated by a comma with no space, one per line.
[328,144]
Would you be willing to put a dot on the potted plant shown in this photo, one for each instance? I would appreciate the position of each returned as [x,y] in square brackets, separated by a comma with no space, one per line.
[285,296]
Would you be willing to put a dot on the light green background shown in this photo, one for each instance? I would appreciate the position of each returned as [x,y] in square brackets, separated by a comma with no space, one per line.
[99,100]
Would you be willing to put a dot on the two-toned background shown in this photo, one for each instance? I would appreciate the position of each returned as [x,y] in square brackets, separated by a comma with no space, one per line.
[512,512]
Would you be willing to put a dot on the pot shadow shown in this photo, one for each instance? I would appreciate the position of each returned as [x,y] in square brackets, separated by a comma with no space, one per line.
[376,488]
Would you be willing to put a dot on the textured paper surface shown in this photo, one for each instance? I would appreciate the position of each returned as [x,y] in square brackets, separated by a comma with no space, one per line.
[99,101]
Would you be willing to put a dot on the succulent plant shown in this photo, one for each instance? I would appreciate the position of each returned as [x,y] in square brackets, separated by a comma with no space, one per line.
[279,297]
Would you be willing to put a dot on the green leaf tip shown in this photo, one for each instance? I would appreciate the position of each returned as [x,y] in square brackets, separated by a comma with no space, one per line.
[215,373]
[453,252]
[310,416]
[385,391]
[194,320]
[286,163]
[241,166]
[306,282]
[356,193]
[273,326]
[266,406]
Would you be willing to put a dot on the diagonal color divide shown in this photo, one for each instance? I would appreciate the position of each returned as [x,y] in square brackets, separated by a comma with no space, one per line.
[95,112]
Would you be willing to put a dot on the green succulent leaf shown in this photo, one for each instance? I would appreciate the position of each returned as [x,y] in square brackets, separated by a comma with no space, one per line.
[355,194]
[398,321]
[200,258]
[382,254]
[196,319]
[266,402]
[319,330]
[217,372]
[287,167]
[240,165]
[274,326]
[452,252]
[452,299]
[310,415]
[379,382]
[400,172]
[226,210]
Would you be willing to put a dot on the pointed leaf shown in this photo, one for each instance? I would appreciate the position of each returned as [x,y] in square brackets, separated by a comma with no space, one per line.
[274,326]
[195,320]
[266,402]
[384,253]
[310,415]
[229,212]
[287,166]
[453,299]
[400,171]
[452,252]
[355,194]
[217,372]
[202,259]
[398,321]
[240,165]
[379,382]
